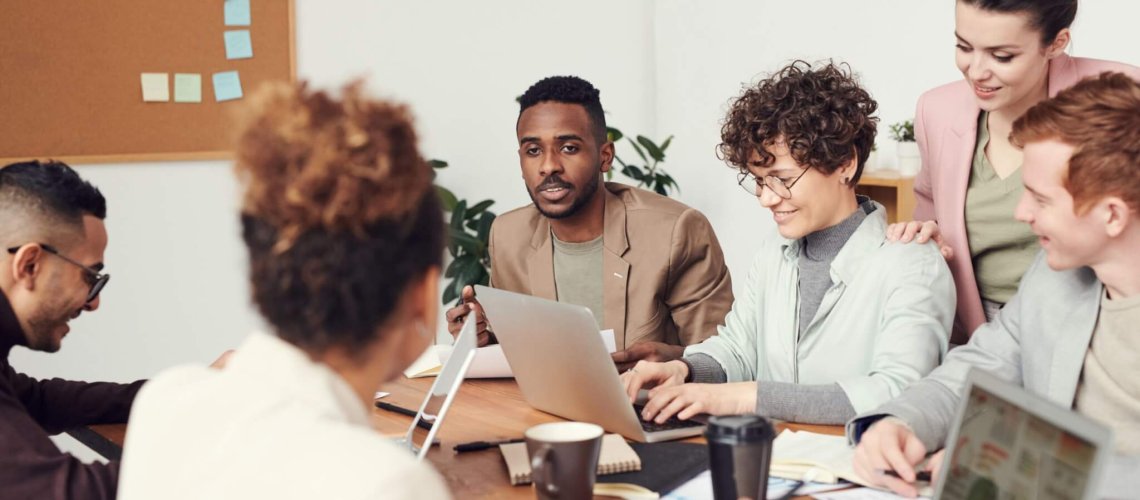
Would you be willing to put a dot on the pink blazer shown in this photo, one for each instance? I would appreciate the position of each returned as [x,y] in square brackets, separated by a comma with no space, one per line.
[946,128]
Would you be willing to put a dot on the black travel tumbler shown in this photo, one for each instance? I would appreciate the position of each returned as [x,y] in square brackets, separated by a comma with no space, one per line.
[740,451]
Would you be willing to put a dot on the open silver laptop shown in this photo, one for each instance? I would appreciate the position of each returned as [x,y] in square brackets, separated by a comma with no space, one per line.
[1010,444]
[563,368]
[443,390]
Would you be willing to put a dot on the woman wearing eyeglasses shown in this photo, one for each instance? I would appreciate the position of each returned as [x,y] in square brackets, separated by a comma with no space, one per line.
[1011,53]
[833,320]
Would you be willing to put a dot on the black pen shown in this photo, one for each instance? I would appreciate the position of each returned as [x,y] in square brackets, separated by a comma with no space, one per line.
[483,445]
[921,475]
[403,411]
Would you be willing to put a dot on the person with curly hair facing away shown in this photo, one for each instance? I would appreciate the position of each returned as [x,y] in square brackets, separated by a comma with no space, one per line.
[345,239]
[834,320]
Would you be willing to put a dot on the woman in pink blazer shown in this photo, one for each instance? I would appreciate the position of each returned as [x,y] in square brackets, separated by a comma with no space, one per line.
[1011,53]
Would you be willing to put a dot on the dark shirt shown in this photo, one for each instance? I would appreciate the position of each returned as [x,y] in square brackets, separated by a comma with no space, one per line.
[31,466]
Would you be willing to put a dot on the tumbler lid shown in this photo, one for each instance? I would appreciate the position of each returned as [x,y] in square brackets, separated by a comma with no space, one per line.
[740,428]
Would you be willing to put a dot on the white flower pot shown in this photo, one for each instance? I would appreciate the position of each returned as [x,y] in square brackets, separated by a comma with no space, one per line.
[909,160]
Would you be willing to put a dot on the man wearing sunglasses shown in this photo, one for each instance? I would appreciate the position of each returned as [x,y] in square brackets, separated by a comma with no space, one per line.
[51,271]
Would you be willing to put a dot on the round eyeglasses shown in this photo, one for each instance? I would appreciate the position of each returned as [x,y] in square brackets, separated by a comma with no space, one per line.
[754,186]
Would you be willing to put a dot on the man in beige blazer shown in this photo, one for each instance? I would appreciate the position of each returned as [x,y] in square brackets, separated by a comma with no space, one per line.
[647,266]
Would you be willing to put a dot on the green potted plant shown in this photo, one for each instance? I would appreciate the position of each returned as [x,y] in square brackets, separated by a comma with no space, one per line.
[649,174]
[907,148]
[469,226]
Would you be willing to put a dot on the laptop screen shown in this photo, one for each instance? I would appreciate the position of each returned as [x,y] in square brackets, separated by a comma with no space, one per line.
[443,390]
[1003,451]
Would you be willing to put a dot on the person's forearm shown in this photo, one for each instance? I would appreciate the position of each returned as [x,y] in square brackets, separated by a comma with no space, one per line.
[704,369]
[808,404]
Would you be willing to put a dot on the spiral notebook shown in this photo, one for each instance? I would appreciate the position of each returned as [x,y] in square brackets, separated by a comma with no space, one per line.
[616,456]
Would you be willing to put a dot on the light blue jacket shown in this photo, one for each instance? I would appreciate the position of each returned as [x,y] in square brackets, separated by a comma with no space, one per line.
[883,324]
[1038,341]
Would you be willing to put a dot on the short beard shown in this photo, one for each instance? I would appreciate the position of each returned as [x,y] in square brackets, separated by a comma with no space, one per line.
[43,323]
[584,196]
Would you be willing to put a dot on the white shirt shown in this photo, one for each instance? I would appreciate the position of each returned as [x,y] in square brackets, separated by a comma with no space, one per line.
[883,324]
[272,424]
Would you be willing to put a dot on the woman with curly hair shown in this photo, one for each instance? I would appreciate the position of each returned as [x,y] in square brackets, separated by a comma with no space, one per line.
[345,239]
[833,319]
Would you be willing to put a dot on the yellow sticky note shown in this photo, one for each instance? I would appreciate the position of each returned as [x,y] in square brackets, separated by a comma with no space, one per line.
[156,87]
[187,87]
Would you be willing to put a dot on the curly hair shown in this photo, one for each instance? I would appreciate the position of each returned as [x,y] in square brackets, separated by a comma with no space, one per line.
[822,114]
[568,90]
[338,212]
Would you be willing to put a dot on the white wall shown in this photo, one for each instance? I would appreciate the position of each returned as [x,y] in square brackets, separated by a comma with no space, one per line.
[179,290]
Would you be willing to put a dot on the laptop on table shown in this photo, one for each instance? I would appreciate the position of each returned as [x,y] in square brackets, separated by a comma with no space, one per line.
[443,390]
[1008,443]
[563,368]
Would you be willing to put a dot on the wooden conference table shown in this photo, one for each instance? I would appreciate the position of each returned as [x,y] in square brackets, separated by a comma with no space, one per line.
[483,410]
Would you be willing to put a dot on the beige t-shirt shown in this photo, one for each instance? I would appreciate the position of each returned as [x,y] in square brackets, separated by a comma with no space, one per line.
[1110,380]
[578,274]
[1002,247]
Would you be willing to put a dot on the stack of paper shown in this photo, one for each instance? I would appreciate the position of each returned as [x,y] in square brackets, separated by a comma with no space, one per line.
[794,453]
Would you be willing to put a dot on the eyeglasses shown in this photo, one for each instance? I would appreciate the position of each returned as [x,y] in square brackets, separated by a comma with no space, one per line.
[753,186]
[95,279]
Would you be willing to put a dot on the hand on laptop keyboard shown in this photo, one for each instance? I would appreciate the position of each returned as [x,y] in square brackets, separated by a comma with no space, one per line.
[689,400]
[670,424]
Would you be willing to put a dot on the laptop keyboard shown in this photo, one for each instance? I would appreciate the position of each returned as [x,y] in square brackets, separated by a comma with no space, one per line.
[672,423]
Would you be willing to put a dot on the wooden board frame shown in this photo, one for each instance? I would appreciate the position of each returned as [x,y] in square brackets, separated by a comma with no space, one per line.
[26,62]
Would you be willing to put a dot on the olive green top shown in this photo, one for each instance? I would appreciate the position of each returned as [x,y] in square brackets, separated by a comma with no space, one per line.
[578,274]
[1001,247]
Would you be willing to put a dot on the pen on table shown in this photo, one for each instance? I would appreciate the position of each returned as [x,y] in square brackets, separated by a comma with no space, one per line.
[403,411]
[483,445]
[922,475]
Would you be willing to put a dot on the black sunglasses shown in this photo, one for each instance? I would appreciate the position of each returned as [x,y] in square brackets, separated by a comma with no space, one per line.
[96,279]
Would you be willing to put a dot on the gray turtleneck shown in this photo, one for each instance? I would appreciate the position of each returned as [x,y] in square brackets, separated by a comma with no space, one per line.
[819,403]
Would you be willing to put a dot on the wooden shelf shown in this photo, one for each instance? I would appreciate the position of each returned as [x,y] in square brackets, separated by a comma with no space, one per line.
[891,189]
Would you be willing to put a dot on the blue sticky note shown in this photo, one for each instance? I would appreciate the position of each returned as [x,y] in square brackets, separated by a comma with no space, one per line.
[227,86]
[237,12]
[238,44]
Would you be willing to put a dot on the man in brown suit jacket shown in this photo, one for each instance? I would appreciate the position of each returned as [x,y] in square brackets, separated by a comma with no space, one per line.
[647,266]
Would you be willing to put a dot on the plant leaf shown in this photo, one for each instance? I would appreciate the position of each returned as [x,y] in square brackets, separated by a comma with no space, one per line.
[479,208]
[468,243]
[437,164]
[665,145]
[613,134]
[633,172]
[484,230]
[459,263]
[638,149]
[449,294]
[458,214]
[446,198]
[660,188]
[652,148]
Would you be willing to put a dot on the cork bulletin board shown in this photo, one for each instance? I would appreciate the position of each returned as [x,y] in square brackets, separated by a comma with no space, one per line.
[70,76]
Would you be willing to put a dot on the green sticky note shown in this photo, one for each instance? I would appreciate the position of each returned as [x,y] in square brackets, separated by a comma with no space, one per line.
[155,87]
[238,44]
[187,87]
[227,86]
